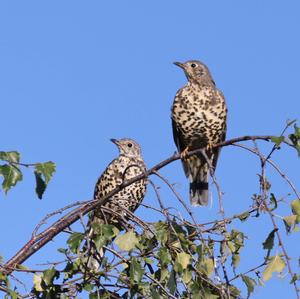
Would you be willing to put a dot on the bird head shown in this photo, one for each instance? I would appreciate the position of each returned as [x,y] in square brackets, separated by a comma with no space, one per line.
[127,147]
[195,71]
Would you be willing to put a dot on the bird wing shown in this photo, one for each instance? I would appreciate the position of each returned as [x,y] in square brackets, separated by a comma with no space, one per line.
[215,152]
[178,139]
[177,136]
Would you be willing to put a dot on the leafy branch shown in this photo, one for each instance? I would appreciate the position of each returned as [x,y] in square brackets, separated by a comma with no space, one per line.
[177,249]
[12,174]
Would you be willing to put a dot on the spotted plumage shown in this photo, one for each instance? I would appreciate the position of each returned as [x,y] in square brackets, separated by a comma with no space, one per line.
[127,165]
[199,120]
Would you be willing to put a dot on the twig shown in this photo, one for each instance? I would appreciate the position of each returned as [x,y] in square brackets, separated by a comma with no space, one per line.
[7,291]
[266,207]
[249,271]
[271,162]
[180,200]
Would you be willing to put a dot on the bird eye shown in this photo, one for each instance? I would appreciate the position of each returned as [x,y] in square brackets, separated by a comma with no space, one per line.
[129,144]
[193,65]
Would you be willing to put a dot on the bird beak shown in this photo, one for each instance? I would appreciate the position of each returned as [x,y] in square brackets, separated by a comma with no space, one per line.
[181,65]
[115,141]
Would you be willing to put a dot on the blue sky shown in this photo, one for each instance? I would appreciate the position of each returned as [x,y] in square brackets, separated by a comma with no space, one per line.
[75,74]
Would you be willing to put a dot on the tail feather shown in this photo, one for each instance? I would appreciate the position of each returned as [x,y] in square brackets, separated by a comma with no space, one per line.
[199,193]
[198,176]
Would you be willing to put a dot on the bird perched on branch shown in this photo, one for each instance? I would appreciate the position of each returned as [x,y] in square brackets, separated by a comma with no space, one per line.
[198,120]
[127,165]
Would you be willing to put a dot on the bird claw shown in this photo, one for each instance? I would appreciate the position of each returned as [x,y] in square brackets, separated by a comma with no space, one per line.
[209,147]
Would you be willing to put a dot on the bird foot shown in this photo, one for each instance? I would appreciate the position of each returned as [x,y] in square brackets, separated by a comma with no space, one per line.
[183,154]
[209,147]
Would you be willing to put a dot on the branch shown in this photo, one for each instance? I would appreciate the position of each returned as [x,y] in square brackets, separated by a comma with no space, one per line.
[38,241]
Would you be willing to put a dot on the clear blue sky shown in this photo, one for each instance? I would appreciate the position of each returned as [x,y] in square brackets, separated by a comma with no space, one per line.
[74,74]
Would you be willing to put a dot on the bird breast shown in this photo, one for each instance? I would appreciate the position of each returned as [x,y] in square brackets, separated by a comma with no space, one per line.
[200,115]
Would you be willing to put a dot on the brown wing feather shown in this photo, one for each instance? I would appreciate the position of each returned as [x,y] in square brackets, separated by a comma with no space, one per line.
[178,139]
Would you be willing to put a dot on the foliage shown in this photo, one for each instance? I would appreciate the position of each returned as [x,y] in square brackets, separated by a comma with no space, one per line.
[173,257]
[12,174]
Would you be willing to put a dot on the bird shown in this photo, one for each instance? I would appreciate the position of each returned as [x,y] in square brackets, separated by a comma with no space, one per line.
[199,116]
[127,165]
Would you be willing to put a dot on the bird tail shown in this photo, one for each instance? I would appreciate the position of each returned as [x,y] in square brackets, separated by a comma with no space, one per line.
[199,187]
[199,193]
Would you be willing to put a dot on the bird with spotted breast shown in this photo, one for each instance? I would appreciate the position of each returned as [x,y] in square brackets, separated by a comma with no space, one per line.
[199,116]
[127,165]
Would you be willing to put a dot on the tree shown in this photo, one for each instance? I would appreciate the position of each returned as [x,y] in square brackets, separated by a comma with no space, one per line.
[175,257]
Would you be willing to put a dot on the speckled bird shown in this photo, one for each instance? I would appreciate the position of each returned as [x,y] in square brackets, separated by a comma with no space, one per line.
[127,165]
[199,116]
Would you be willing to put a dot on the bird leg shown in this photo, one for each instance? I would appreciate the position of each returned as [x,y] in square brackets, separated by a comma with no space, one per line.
[209,147]
[183,154]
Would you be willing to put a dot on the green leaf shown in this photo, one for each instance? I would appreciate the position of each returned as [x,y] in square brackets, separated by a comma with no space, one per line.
[269,242]
[154,293]
[40,185]
[95,295]
[43,174]
[243,217]
[136,271]
[294,278]
[162,274]
[49,275]
[273,201]
[22,267]
[187,275]
[297,131]
[11,175]
[231,246]
[295,205]
[13,294]
[161,232]
[103,233]
[100,241]
[206,293]
[234,291]
[164,256]
[88,287]
[250,284]
[128,241]
[62,250]
[183,259]
[172,282]
[295,138]
[46,169]
[277,140]
[276,264]
[3,277]
[37,282]
[74,241]
[208,266]
[289,222]
[11,157]
[107,230]
[235,259]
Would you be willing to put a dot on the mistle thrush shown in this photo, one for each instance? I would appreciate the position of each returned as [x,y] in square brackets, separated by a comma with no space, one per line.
[127,165]
[199,120]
